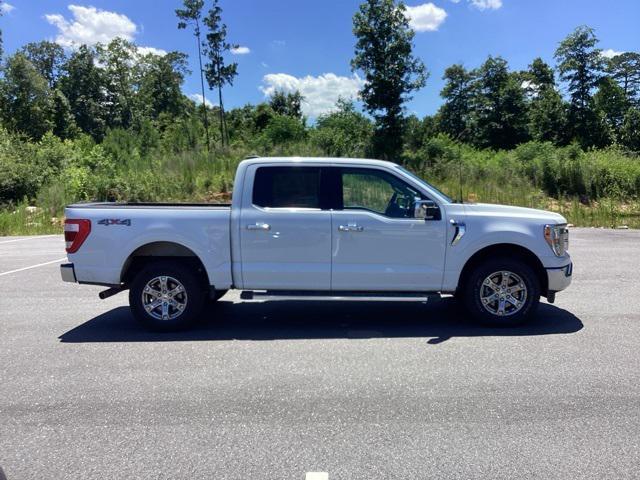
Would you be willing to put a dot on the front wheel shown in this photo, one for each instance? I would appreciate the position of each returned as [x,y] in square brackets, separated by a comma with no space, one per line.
[166,296]
[502,292]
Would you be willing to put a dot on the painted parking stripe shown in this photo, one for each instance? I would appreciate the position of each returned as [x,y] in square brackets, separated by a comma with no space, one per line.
[317,476]
[32,266]
[35,237]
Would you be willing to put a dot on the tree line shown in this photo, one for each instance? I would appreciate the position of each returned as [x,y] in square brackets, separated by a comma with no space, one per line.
[585,98]
[491,106]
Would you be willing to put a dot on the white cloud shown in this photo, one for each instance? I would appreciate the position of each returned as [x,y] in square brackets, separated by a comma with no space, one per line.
[7,8]
[426,17]
[197,97]
[610,53]
[152,50]
[486,4]
[240,50]
[320,93]
[90,26]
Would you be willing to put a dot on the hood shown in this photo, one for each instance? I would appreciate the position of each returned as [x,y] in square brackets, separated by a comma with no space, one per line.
[492,210]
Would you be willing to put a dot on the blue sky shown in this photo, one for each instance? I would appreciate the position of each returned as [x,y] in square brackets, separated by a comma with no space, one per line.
[307,44]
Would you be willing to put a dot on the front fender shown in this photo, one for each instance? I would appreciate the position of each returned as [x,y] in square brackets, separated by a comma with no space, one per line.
[480,235]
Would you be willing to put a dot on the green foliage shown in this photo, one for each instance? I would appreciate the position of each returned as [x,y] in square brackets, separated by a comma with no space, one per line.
[26,98]
[191,15]
[499,112]
[580,64]
[287,103]
[630,132]
[383,52]
[118,62]
[158,86]
[540,75]
[108,123]
[454,117]
[612,103]
[47,58]
[217,71]
[343,133]
[284,129]
[548,117]
[26,166]
[84,85]
[625,69]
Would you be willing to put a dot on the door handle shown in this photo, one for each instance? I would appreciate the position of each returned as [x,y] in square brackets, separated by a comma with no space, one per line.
[259,226]
[352,227]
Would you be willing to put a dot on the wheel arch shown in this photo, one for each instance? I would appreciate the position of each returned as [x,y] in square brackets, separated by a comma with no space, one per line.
[510,250]
[158,250]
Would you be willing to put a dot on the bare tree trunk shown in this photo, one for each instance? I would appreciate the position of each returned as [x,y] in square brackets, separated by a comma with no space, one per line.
[221,111]
[223,130]
[204,106]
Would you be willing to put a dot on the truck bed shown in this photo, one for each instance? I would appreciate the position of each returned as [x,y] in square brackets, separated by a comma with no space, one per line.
[120,229]
[149,205]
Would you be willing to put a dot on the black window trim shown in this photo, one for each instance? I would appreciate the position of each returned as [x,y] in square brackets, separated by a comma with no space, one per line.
[330,189]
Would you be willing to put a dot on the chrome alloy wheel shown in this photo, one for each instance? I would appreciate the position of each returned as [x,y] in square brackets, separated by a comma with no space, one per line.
[503,293]
[164,298]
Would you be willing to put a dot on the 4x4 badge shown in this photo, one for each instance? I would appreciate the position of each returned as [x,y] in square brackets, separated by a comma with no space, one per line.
[115,221]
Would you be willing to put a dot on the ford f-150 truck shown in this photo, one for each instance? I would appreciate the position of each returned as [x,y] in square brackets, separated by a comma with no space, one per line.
[319,228]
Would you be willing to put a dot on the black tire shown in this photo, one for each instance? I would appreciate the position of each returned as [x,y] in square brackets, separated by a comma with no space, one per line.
[474,285]
[193,296]
[218,295]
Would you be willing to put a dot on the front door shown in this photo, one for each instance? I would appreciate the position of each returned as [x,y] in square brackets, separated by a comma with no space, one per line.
[377,244]
[285,235]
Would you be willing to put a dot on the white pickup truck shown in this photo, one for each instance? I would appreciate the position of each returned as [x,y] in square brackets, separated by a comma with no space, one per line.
[319,228]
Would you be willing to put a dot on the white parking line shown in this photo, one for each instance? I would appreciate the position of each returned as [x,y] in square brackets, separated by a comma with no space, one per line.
[317,476]
[33,266]
[35,237]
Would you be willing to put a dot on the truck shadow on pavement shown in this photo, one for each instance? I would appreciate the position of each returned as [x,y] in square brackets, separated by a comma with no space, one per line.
[437,321]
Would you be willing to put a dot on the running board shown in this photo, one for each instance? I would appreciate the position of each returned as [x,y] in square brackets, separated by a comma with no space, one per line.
[338,296]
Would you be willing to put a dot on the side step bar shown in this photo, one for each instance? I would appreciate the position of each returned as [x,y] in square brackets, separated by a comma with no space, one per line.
[110,292]
[338,296]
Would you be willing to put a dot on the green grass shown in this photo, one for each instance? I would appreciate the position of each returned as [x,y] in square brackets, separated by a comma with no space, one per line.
[594,188]
[212,182]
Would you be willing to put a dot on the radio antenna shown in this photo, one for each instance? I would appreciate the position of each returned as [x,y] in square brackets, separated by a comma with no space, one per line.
[459,142]
[460,171]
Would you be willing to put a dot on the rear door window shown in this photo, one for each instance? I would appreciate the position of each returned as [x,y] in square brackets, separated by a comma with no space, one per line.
[287,187]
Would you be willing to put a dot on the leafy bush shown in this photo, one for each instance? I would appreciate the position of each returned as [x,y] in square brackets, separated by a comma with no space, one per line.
[284,129]
[344,133]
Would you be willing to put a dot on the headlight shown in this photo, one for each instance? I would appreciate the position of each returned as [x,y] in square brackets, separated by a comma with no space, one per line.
[557,236]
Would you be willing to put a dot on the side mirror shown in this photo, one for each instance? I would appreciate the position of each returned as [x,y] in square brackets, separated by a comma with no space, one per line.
[426,210]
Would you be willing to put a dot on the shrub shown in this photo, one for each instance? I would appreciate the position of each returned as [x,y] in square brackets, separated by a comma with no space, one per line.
[284,129]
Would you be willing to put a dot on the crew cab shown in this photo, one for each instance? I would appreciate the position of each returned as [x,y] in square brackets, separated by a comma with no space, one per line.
[320,228]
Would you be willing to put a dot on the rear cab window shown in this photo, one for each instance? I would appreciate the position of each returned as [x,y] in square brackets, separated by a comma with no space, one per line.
[287,187]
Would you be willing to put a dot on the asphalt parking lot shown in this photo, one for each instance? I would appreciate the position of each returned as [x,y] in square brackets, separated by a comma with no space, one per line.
[359,391]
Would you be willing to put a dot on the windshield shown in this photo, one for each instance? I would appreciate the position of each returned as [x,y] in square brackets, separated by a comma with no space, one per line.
[424,182]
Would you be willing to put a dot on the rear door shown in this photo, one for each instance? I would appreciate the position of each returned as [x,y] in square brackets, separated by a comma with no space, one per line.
[378,245]
[285,229]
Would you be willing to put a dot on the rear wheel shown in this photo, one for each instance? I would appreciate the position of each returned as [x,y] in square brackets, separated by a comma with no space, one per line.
[166,296]
[502,292]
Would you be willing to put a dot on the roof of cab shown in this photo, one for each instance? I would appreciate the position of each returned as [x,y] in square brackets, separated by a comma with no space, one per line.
[316,160]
